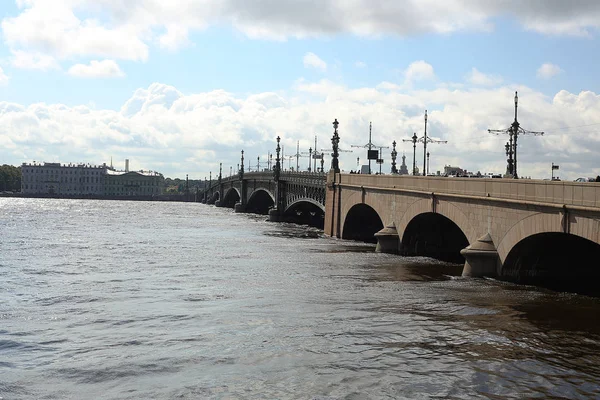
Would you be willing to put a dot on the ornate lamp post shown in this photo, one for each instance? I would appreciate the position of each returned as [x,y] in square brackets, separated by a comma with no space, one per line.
[335,140]
[242,166]
[515,126]
[394,155]
[508,149]
[277,169]
[258,163]
[309,157]
[427,163]
[425,145]
[414,140]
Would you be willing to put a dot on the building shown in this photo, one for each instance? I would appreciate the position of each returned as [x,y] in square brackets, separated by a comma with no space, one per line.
[403,168]
[132,183]
[453,171]
[77,180]
[62,179]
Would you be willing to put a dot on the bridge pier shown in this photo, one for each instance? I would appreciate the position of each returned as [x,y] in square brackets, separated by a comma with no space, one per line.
[239,207]
[481,258]
[388,240]
[275,215]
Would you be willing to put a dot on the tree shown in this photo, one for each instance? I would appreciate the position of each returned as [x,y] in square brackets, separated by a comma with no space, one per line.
[10,178]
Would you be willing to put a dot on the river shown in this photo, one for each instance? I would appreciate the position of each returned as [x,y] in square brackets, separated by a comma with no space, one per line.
[164,300]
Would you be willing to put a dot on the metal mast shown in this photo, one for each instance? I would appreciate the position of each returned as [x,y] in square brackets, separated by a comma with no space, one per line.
[511,147]
[368,145]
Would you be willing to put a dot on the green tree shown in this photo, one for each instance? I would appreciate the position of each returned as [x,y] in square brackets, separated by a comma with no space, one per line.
[10,178]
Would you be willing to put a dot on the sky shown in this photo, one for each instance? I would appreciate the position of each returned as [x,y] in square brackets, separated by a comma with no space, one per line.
[182,86]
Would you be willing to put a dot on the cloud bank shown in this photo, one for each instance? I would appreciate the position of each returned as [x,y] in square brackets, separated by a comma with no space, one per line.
[51,31]
[163,129]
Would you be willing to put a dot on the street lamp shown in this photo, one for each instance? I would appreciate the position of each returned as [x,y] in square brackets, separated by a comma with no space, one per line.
[414,140]
[335,140]
[394,155]
[425,145]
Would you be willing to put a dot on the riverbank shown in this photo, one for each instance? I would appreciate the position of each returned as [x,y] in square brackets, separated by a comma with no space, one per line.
[162,197]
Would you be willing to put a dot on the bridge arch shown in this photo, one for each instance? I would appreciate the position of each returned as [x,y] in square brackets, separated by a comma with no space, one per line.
[538,250]
[260,201]
[361,223]
[441,233]
[371,221]
[231,197]
[306,212]
[303,201]
[528,226]
[213,199]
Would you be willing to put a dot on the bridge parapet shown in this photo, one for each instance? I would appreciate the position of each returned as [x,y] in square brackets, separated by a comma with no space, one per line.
[536,192]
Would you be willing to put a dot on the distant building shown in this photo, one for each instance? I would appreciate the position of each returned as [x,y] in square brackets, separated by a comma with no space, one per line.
[132,183]
[87,180]
[62,179]
[456,171]
[403,169]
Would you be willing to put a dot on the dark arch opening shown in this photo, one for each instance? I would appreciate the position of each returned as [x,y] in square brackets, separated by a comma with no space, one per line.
[231,197]
[434,235]
[213,198]
[362,222]
[260,203]
[306,213]
[557,261]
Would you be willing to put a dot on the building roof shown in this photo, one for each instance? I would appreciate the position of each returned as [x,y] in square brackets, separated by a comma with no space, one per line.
[142,173]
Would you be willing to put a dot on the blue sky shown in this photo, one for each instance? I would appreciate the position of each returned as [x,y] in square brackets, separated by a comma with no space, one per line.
[183,86]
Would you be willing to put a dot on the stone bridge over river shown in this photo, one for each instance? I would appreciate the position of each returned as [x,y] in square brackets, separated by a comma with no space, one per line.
[296,196]
[529,231]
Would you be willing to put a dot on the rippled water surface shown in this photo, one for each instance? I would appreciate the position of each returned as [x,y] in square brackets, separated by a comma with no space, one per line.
[149,300]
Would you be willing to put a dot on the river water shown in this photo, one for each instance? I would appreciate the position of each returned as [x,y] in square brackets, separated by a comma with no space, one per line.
[153,300]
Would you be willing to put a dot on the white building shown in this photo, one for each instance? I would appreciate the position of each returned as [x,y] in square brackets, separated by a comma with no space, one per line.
[63,179]
[66,180]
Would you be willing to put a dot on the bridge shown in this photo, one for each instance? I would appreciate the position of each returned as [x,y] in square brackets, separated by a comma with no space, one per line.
[289,196]
[523,230]
[295,197]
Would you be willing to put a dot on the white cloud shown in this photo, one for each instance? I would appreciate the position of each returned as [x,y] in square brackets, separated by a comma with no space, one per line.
[475,77]
[174,38]
[30,60]
[160,126]
[3,77]
[312,60]
[547,71]
[419,71]
[360,64]
[97,69]
[124,30]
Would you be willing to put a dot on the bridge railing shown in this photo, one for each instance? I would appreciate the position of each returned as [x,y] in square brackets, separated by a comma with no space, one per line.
[584,194]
